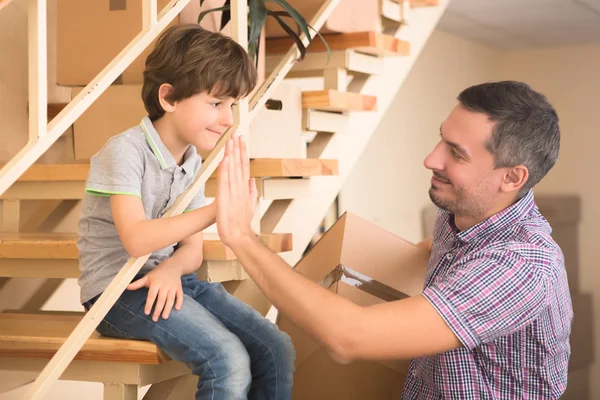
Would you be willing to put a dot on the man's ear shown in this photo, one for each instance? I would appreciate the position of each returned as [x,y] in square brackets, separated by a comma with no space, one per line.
[515,178]
[163,94]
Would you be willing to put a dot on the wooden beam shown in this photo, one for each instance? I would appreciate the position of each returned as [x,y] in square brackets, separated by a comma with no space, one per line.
[38,70]
[332,100]
[375,43]
[36,190]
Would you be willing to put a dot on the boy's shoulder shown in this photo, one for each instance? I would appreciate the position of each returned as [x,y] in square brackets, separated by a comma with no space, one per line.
[129,143]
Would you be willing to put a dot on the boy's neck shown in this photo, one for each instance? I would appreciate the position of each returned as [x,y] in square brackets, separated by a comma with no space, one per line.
[169,137]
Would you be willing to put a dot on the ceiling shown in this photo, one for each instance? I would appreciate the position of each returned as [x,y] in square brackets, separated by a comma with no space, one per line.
[524,24]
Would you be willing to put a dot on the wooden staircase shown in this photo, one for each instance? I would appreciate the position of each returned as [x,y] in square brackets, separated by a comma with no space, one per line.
[360,78]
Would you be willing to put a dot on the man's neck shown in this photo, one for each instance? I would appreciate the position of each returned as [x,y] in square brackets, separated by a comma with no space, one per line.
[169,137]
[464,222]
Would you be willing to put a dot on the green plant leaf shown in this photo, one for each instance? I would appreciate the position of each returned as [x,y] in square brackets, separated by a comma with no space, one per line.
[226,16]
[205,13]
[324,43]
[293,35]
[295,15]
[258,16]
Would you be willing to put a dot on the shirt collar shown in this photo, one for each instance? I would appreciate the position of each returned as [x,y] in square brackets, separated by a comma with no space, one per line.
[505,218]
[164,156]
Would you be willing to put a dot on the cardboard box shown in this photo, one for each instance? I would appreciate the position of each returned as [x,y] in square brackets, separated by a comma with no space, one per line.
[278,133]
[119,108]
[582,332]
[367,265]
[348,16]
[91,33]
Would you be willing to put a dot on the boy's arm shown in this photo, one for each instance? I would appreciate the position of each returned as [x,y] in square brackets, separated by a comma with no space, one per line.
[188,255]
[141,236]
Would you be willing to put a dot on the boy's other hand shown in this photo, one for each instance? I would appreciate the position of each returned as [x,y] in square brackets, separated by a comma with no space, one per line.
[236,193]
[164,288]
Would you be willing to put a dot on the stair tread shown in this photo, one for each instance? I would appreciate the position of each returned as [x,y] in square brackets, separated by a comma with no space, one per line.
[333,100]
[259,168]
[421,3]
[40,336]
[63,245]
[367,42]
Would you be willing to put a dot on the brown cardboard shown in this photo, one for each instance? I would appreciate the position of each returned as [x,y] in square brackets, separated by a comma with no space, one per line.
[369,250]
[119,108]
[582,332]
[91,33]
[348,16]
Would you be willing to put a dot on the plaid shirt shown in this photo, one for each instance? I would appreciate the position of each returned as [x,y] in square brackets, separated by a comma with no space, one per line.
[501,286]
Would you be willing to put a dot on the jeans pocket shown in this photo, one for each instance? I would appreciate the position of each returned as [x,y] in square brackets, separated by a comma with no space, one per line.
[109,330]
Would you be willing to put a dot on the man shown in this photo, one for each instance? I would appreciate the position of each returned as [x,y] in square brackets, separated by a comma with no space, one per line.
[493,320]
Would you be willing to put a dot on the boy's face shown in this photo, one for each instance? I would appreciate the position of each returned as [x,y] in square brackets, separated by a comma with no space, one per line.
[203,118]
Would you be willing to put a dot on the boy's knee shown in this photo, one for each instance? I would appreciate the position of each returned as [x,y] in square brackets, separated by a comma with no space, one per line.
[235,369]
[283,349]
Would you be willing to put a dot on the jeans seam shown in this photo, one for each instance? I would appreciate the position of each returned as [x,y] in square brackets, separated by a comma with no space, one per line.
[173,336]
[255,337]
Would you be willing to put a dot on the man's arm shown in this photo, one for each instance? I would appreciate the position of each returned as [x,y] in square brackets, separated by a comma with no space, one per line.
[141,236]
[402,329]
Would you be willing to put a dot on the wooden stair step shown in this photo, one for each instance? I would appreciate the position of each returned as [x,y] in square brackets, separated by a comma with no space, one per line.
[63,246]
[421,3]
[41,335]
[259,168]
[375,43]
[333,100]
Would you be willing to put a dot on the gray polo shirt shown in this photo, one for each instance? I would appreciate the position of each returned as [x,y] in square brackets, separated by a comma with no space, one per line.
[135,163]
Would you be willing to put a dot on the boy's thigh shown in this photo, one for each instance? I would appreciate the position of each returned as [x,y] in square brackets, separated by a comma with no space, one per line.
[192,327]
[246,323]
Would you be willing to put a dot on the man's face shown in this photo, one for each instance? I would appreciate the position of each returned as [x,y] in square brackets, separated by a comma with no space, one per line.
[464,180]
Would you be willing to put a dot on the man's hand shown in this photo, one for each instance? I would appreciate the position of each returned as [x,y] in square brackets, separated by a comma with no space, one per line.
[236,193]
[164,288]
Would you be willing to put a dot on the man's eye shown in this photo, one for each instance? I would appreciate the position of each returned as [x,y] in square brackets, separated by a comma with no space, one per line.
[454,153]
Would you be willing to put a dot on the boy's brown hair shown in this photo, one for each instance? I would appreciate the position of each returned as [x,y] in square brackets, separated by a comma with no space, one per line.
[193,60]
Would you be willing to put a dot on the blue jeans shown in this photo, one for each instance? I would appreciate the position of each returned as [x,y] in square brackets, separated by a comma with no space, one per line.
[234,350]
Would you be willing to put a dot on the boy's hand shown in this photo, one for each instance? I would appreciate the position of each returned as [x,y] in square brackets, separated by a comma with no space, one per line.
[164,287]
[236,193]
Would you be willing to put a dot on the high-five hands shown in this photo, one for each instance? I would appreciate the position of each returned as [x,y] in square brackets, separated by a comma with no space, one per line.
[236,193]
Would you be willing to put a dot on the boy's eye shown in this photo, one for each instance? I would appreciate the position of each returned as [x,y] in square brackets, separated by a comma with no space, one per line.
[215,104]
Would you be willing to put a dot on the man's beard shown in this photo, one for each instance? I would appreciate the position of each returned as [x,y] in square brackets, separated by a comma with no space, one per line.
[462,205]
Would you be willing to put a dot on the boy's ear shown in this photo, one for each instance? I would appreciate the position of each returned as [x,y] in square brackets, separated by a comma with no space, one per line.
[163,93]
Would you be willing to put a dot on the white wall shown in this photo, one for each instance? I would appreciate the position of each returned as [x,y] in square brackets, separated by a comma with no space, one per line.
[389,185]
[570,77]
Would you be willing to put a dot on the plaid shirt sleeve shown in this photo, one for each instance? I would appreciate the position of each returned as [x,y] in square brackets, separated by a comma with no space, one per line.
[489,296]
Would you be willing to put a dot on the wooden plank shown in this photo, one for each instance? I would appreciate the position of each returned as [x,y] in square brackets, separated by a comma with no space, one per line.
[324,121]
[35,268]
[332,100]
[314,63]
[11,215]
[102,371]
[64,246]
[366,42]
[120,391]
[38,69]
[41,335]
[291,167]
[282,189]
[421,3]
[36,190]
[259,168]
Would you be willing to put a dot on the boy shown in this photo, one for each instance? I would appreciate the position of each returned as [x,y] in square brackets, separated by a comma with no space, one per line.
[191,81]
